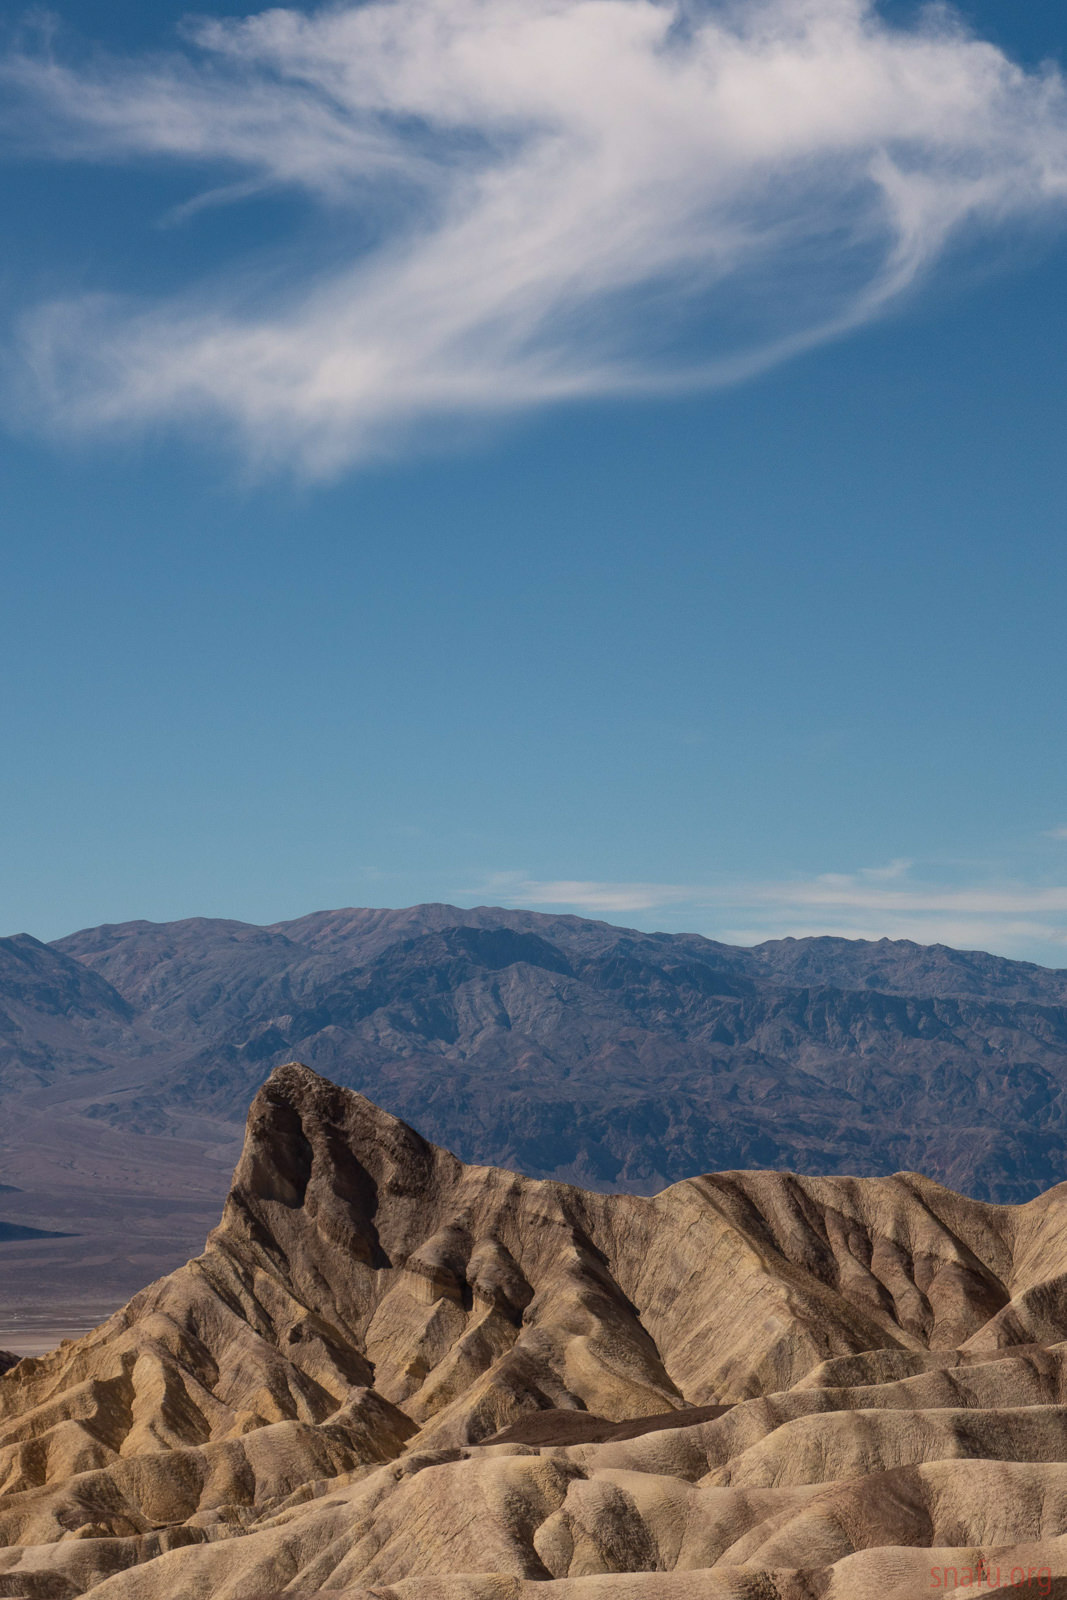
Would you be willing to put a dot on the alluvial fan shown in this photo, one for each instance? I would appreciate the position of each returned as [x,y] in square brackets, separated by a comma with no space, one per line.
[394,1375]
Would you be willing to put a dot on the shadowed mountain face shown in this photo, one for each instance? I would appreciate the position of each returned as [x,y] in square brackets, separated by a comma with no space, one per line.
[575,1049]
[57,1017]
[556,1045]
[391,1376]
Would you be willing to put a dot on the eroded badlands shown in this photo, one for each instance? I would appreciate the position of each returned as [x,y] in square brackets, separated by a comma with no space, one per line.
[391,1374]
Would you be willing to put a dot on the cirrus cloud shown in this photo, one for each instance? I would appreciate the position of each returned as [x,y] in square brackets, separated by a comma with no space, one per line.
[557,199]
[1008,917]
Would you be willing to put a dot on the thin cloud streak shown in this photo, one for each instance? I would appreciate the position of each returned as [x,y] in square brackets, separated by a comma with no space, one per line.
[1034,941]
[873,903]
[562,195]
[512,888]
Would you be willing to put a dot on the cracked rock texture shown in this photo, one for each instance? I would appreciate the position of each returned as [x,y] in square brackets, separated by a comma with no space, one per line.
[393,1376]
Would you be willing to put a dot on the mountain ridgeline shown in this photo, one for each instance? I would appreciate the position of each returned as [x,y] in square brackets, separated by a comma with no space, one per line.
[392,1376]
[561,1046]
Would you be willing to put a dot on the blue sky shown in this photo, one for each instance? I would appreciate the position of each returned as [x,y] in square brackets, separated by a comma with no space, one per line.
[687,551]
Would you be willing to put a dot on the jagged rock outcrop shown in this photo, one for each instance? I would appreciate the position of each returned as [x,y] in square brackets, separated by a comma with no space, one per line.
[393,1375]
[601,1055]
[560,1046]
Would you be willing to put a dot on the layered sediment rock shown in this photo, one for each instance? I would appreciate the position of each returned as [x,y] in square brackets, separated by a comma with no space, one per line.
[392,1374]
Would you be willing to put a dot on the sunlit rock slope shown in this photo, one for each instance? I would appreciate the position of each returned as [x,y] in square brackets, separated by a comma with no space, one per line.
[394,1375]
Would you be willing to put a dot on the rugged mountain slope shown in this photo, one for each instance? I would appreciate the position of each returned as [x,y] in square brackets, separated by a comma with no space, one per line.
[619,1059]
[391,1374]
[557,1045]
[57,1017]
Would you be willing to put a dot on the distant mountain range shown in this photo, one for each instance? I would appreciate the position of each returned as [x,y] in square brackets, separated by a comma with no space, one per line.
[563,1046]
[555,1045]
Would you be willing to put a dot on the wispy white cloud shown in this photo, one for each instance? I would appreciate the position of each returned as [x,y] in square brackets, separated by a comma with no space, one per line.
[515,888]
[1024,940]
[871,903]
[893,869]
[560,196]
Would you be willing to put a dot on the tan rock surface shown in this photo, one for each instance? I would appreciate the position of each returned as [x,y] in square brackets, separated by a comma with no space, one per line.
[391,1375]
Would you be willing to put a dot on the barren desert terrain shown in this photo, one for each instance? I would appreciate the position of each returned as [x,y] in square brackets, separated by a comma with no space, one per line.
[391,1374]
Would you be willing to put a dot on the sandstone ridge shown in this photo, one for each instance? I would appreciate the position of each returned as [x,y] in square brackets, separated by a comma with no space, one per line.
[391,1374]
[566,1048]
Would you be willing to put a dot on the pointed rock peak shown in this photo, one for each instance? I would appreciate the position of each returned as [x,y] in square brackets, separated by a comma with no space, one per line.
[318,1153]
[294,1096]
[808,1370]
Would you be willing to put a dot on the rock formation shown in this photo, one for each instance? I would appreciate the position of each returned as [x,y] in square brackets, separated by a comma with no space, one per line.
[547,1042]
[393,1375]
[560,1046]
